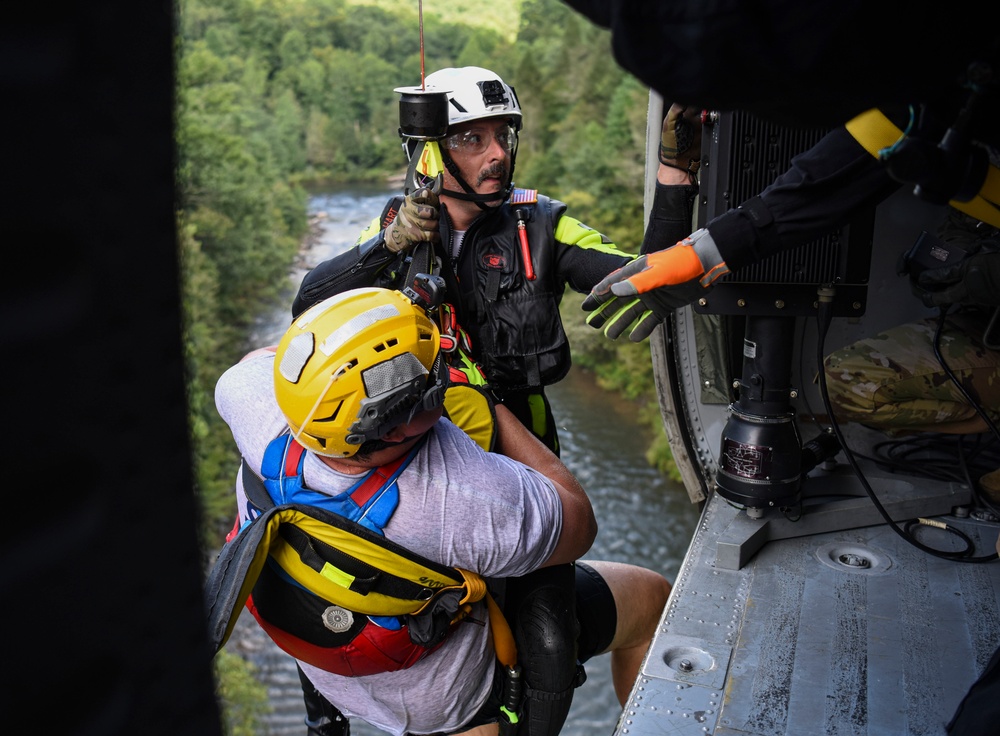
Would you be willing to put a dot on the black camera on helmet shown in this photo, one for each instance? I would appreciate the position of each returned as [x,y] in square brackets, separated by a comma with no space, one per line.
[493,92]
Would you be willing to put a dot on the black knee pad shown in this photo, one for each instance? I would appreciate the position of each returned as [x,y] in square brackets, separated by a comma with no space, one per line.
[541,608]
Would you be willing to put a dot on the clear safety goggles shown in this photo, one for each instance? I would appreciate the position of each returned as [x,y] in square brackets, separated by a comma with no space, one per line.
[476,140]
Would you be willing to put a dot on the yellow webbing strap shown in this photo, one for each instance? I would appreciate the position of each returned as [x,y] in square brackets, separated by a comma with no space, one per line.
[874,131]
[985,206]
[503,637]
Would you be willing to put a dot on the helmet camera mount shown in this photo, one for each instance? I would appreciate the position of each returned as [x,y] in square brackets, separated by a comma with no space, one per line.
[426,291]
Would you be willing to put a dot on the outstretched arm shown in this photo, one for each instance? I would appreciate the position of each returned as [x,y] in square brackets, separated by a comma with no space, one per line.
[579,528]
[822,189]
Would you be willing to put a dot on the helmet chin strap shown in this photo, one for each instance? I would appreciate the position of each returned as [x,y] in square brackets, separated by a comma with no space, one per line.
[470,195]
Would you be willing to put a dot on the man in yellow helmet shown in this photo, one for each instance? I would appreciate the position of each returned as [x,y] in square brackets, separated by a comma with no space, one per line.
[357,382]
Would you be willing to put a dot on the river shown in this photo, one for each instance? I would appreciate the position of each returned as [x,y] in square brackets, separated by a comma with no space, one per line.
[643,517]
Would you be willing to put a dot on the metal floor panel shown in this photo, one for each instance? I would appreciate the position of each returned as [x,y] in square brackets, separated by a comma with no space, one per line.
[797,642]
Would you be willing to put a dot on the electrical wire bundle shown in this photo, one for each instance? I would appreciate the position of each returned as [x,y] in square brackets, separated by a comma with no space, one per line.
[931,448]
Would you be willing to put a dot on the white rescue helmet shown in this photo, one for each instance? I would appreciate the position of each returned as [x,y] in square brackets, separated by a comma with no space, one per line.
[475,93]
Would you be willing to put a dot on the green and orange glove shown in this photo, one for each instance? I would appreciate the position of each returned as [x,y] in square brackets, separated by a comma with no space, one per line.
[680,139]
[648,289]
[416,221]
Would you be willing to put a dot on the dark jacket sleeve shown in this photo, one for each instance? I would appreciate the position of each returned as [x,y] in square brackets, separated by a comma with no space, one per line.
[821,191]
[367,264]
[669,217]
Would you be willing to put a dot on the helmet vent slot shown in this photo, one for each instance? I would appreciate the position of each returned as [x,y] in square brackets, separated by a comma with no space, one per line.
[332,417]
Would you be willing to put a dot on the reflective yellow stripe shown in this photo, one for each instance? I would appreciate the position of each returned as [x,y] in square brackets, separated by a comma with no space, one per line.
[536,404]
[574,232]
[369,232]
[336,575]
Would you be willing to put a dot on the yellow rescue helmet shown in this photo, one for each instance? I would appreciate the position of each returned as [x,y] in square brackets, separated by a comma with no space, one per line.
[354,366]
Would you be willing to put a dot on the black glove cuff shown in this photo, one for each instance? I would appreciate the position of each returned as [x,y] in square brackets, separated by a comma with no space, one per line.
[669,217]
[663,301]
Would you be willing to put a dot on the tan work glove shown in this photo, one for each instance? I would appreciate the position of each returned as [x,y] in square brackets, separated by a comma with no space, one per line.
[680,141]
[416,221]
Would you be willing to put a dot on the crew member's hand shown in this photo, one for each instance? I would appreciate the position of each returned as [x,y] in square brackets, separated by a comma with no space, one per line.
[976,280]
[680,141]
[648,289]
[416,221]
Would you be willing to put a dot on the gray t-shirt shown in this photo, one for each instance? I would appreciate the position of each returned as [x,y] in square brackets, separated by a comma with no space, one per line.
[458,506]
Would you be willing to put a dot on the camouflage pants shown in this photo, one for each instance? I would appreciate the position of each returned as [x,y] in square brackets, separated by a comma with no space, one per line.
[893,381]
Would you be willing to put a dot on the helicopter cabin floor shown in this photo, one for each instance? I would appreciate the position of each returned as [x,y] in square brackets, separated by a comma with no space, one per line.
[831,623]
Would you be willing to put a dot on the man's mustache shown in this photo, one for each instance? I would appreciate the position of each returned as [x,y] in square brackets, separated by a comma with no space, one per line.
[498,171]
